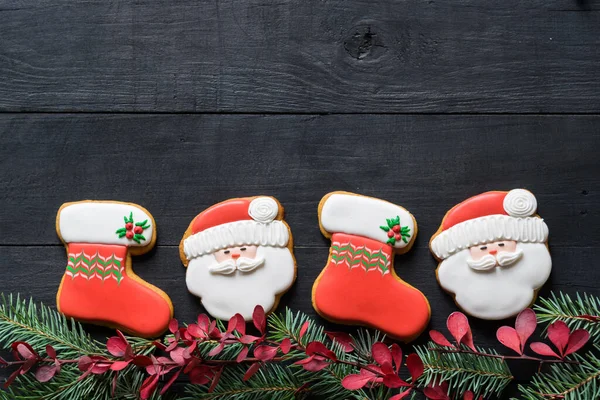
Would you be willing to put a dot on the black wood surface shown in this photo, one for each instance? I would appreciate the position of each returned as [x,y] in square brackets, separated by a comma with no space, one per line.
[300,55]
[177,105]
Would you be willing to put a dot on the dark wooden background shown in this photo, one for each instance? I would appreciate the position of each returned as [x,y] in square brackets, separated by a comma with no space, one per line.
[177,105]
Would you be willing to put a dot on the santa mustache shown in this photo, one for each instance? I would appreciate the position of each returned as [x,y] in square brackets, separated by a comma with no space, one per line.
[502,259]
[242,264]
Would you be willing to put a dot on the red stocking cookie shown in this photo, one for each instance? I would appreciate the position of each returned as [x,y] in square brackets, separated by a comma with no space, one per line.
[238,255]
[99,285]
[359,285]
[493,253]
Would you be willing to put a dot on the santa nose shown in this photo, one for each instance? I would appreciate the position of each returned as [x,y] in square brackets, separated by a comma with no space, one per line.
[235,256]
[493,252]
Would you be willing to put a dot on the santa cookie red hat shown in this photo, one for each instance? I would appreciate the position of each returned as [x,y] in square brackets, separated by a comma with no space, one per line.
[490,217]
[253,221]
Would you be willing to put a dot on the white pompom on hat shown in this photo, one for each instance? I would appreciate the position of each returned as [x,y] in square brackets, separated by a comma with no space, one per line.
[490,217]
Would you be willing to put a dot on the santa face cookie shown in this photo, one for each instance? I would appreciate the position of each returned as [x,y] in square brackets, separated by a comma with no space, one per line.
[493,252]
[99,285]
[238,255]
[359,285]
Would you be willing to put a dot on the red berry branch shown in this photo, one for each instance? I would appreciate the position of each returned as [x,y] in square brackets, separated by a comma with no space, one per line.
[565,341]
[204,349]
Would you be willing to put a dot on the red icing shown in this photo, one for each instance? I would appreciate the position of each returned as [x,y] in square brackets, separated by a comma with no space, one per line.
[222,213]
[129,234]
[370,298]
[138,229]
[129,226]
[489,203]
[128,305]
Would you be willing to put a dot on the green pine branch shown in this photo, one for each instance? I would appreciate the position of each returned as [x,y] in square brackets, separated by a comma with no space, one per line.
[464,371]
[272,382]
[327,382]
[567,381]
[583,312]
[39,325]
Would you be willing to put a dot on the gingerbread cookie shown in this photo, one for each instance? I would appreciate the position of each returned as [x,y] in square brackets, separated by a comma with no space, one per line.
[359,285]
[493,253]
[239,254]
[99,285]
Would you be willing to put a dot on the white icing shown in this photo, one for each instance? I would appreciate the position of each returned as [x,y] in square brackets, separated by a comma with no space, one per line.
[97,222]
[489,261]
[488,229]
[239,292]
[243,264]
[363,216]
[263,209]
[239,233]
[500,292]
[520,203]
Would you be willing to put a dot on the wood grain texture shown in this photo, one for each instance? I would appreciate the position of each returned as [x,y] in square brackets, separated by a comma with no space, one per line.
[177,165]
[310,56]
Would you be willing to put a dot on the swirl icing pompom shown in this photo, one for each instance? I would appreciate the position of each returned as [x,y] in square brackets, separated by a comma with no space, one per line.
[520,203]
[263,209]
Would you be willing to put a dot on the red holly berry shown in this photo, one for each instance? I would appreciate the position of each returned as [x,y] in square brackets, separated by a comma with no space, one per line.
[129,235]
[129,226]
[138,229]
[397,236]
[390,234]
[396,228]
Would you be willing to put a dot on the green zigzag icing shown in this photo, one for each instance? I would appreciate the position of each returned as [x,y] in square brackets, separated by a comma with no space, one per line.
[91,261]
[111,266]
[376,260]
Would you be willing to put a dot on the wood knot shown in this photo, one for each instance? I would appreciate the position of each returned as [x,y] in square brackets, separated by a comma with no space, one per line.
[363,42]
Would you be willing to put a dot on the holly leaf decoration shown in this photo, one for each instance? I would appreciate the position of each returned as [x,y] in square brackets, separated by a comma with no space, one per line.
[121,232]
[402,231]
[137,237]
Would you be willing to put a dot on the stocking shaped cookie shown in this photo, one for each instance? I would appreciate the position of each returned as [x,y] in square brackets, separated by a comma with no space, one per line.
[493,253]
[359,285]
[99,285]
[238,255]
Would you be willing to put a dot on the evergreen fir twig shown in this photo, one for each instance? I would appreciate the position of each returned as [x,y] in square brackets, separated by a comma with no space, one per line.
[567,381]
[272,382]
[583,312]
[464,371]
[39,325]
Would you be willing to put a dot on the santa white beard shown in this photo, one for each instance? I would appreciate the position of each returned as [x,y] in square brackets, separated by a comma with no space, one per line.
[499,292]
[224,295]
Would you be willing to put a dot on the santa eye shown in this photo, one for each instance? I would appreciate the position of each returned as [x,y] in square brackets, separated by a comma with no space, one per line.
[226,252]
[243,249]
[483,248]
[500,244]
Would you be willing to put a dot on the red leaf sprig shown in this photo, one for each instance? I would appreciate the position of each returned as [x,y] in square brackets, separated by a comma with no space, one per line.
[459,328]
[565,341]
[194,351]
[515,338]
[385,370]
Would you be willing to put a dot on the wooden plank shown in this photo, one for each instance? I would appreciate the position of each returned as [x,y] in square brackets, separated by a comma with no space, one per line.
[301,56]
[178,165]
